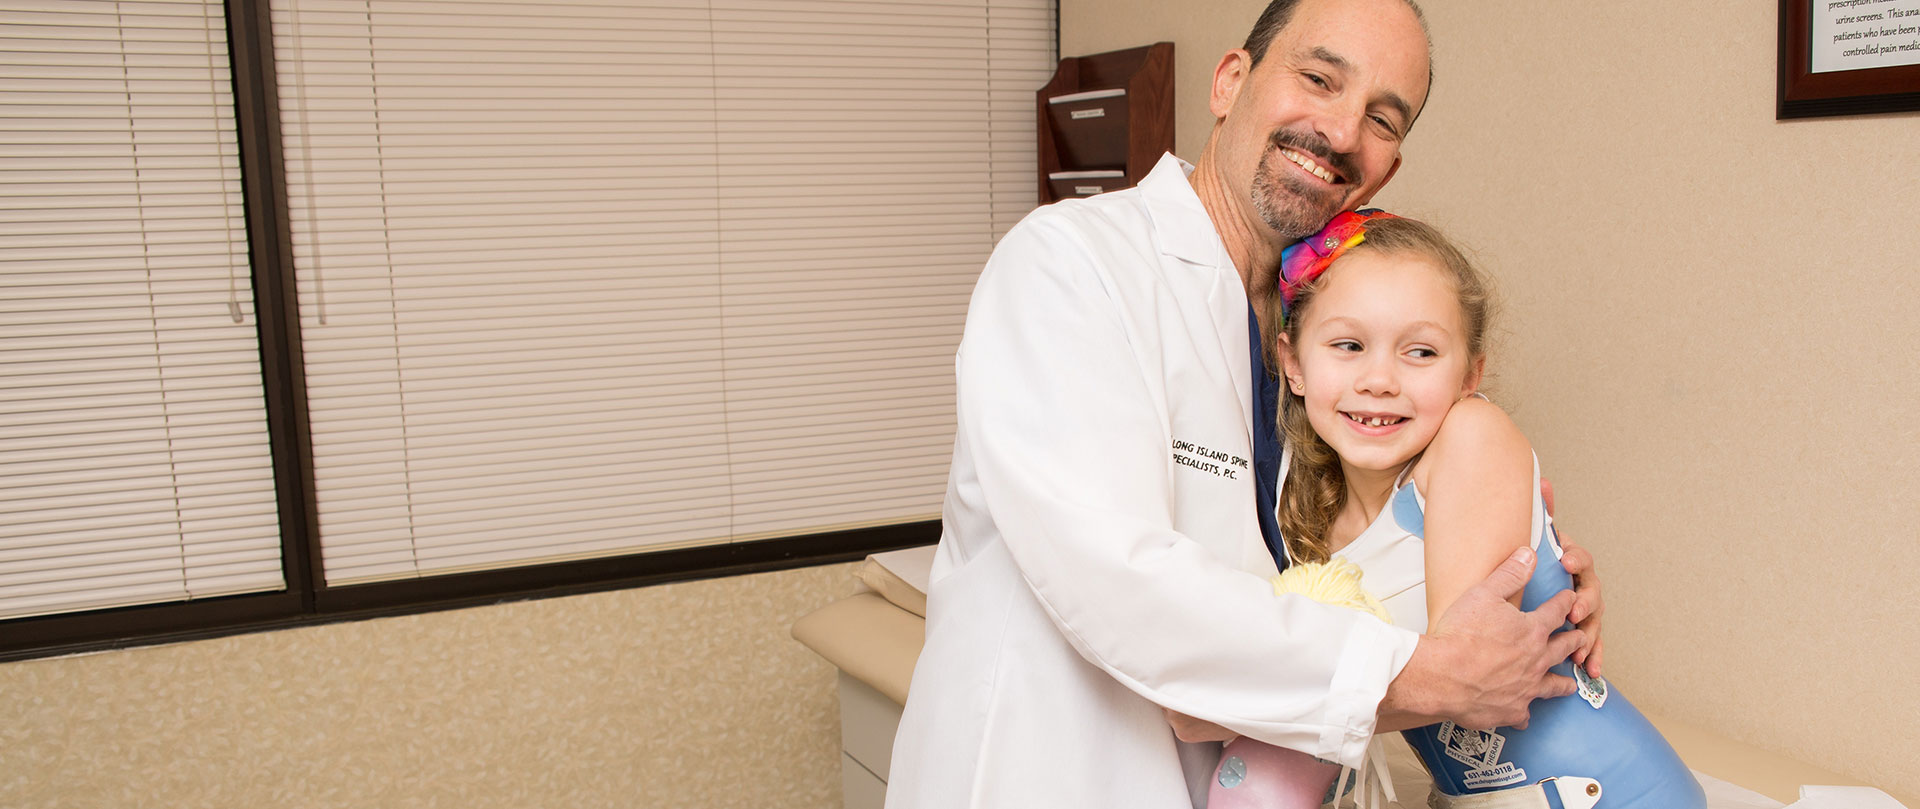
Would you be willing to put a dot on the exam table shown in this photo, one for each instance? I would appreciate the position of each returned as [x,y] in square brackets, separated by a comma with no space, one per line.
[874,636]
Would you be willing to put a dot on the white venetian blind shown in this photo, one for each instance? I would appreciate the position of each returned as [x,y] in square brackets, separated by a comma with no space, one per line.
[134,465]
[583,279]
[1020,60]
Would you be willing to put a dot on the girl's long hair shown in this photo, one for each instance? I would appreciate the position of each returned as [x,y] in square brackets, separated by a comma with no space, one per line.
[1315,486]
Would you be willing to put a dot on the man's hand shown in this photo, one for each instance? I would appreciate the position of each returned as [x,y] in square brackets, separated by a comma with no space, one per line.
[1485,660]
[1189,729]
[1588,605]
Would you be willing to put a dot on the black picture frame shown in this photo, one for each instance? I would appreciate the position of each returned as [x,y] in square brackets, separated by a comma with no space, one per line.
[1806,94]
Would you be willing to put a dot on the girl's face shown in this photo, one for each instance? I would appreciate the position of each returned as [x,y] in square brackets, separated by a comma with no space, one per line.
[1381,356]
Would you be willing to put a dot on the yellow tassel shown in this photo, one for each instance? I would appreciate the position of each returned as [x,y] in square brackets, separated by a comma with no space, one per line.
[1336,582]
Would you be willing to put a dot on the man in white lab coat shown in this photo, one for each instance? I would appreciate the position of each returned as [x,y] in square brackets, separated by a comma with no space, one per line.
[1102,565]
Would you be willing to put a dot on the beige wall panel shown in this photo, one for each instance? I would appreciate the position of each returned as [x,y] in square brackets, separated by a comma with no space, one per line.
[1710,337]
[685,695]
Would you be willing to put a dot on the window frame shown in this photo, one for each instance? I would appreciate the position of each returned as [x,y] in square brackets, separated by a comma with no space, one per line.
[307,600]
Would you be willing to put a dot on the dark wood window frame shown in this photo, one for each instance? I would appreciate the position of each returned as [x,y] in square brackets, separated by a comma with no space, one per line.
[308,600]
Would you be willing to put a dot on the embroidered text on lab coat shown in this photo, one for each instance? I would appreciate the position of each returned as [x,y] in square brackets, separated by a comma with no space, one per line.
[1210,461]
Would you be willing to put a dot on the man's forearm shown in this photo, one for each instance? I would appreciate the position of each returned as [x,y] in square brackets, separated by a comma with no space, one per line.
[1412,700]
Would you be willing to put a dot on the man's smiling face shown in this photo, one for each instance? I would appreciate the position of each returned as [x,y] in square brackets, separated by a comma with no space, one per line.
[1315,128]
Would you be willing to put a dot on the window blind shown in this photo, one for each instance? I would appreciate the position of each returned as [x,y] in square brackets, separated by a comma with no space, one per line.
[135,467]
[583,279]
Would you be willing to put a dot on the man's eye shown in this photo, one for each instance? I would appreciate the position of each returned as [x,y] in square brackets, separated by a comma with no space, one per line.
[1387,125]
[1317,81]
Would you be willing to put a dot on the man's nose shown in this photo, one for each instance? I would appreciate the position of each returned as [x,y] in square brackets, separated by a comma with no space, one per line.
[1340,124]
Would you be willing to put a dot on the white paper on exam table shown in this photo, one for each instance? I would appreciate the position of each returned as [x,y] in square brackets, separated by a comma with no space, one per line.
[913,565]
[1819,797]
[1728,795]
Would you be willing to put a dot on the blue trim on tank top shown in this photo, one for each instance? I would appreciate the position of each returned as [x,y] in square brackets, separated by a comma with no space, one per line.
[1407,512]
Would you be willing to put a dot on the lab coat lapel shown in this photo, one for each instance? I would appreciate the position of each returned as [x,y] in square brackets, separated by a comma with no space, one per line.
[1186,235]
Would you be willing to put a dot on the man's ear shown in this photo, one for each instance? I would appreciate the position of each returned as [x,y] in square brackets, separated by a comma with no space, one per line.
[1290,365]
[1228,77]
[1391,170]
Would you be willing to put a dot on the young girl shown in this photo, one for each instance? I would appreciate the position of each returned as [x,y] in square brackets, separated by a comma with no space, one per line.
[1398,465]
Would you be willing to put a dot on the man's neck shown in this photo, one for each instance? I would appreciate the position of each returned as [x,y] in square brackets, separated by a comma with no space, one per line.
[1248,239]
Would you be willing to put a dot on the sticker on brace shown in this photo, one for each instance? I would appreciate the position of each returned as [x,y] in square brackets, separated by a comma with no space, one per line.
[1479,749]
[1591,689]
[1233,772]
[1500,775]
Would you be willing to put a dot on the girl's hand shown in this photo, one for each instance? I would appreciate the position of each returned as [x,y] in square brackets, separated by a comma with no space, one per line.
[1588,605]
[1189,729]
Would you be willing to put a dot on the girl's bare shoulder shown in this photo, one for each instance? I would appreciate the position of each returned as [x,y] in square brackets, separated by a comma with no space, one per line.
[1476,435]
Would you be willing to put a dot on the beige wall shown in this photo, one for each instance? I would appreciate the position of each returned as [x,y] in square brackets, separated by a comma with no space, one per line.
[686,695]
[1712,340]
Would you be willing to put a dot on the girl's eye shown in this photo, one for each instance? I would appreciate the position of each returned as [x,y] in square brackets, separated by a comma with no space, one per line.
[1423,353]
[1346,345]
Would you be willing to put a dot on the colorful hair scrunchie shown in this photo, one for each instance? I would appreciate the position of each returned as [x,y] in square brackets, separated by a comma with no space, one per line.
[1306,259]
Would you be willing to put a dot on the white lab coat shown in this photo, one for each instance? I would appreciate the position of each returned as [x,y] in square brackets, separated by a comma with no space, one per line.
[1100,555]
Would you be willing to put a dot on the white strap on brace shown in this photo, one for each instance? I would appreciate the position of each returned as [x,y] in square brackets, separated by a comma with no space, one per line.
[1574,793]
[1373,786]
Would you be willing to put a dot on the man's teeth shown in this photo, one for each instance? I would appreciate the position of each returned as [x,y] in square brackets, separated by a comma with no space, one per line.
[1376,421]
[1307,163]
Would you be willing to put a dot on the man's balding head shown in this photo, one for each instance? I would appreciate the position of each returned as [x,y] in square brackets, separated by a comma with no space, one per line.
[1279,12]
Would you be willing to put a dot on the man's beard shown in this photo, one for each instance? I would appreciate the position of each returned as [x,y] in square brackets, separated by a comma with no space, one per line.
[1293,206]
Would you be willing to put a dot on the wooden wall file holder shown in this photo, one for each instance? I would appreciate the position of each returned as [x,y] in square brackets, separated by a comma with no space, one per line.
[1104,120]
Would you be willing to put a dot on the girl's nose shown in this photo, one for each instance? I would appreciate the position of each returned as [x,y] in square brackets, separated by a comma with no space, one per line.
[1377,377]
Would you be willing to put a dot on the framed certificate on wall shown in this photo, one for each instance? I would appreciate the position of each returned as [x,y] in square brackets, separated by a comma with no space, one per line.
[1848,57]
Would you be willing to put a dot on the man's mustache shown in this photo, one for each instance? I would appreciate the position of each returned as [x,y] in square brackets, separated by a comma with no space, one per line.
[1317,146]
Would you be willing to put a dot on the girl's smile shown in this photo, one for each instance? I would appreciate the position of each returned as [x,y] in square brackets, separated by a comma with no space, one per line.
[1374,421]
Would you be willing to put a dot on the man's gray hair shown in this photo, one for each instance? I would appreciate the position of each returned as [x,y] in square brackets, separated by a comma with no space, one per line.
[1280,12]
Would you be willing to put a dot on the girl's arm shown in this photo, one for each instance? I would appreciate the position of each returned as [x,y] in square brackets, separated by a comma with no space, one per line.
[1477,476]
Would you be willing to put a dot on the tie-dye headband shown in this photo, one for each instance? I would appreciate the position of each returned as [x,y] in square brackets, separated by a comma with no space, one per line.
[1306,259]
